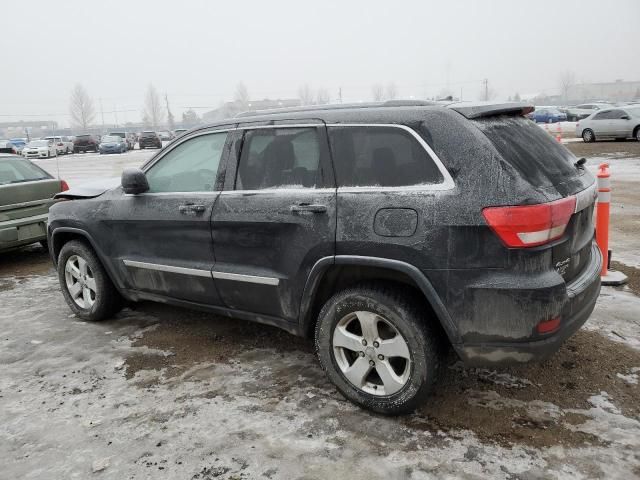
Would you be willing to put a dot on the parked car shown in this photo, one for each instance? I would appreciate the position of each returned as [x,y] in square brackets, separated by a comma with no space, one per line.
[19,143]
[39,149]
[26,193]
[415,257]
[166,136]
[63,144]
[618,123]
[127,137]
[583,111]
[7,147]
[149,139]
[547,115]
[112,144]
[86,142]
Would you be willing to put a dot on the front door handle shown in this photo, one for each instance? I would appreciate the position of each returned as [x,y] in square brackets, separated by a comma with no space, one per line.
[308,207]
[191,208]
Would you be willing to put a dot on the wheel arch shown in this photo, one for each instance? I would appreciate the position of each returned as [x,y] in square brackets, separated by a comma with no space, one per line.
[331,274]
[62,235]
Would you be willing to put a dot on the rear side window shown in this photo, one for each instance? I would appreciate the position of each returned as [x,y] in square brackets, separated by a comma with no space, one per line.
[540,160]
[191,166]
[16,170]
[380,157]
[279,158]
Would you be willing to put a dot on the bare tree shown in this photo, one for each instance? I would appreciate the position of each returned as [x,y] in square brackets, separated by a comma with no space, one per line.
[305,94]
[242,94]
[392,91]
[81,107]
[567,81]
[377,92]
[322,96]
[153,114]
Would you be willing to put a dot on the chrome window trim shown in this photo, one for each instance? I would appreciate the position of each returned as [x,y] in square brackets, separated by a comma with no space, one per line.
[273,281]
[203,273]
[446,184]
[280,190]
[168,268]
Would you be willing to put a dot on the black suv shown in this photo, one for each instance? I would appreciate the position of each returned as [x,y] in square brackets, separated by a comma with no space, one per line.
[84,143]
[149,139]
[385,231]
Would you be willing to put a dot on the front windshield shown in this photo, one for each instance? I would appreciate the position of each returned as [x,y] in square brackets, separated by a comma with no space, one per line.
[109,139]
[39,143]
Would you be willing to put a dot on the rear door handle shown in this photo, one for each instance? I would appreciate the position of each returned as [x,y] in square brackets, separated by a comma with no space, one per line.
[191,208]
[308,207]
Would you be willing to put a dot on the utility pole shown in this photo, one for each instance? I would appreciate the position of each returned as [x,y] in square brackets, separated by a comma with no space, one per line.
[102,114]
[169,114]
[340,94]
[486,89]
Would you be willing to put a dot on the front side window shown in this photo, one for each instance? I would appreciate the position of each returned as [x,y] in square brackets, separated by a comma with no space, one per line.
[602,116]
[380,157]
[616,114]
[191,166]
[279,158]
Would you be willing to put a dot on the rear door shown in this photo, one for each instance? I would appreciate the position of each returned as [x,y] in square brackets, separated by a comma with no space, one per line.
[601,124]
[275,218]
[162,239]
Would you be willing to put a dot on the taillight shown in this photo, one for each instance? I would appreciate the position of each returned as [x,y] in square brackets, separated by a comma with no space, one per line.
[548,326]
[60,144]
[530,225]
[63,186]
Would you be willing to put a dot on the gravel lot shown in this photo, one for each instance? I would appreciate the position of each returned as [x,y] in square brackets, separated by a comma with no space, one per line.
[160,392]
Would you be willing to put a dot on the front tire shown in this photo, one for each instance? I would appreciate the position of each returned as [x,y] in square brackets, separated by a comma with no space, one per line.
[85,284]
[378,348]
[588,136]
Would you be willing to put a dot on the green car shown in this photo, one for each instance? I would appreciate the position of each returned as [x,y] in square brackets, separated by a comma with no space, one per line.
[26,193]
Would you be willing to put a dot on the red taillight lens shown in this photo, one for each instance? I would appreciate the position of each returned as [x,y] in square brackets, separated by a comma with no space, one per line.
[548,326]
[60,144]
[63,186]
[530,225]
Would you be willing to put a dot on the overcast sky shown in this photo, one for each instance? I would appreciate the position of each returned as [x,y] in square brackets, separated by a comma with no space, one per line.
[197,51]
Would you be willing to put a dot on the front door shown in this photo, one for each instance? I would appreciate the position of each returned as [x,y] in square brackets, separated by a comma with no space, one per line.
[275,218]
[164,236]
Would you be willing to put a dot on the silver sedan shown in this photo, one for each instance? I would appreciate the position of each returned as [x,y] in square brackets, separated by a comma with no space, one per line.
[618,123]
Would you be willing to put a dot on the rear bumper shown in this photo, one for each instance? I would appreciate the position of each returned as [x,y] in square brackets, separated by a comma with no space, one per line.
[23,231]
[580,299]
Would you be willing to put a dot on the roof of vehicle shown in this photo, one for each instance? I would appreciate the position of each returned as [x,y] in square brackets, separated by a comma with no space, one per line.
[377,112]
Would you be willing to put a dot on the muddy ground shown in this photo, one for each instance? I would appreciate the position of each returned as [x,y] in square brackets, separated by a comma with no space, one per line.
[160,392]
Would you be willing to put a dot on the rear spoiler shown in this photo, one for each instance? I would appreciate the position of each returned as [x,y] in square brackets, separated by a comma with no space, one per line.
[473,110]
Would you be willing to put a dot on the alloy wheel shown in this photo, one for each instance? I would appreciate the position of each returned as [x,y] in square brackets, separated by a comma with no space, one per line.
[80,282]
[371,353]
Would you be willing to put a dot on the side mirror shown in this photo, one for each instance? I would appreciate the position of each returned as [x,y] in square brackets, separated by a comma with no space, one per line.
[625,117]
[134,181]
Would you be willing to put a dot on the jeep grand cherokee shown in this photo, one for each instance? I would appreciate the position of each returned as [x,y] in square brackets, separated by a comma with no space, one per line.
[383,231]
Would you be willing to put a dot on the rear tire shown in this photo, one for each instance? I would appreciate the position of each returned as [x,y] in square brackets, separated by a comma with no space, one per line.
[85,284]
[378,348]
[588,136]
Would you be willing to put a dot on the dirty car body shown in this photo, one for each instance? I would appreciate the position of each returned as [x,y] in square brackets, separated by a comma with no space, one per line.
[470,207]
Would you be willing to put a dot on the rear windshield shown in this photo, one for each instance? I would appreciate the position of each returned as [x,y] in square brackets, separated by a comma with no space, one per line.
[535,154]
[17,170]
[148,134]
[83,136]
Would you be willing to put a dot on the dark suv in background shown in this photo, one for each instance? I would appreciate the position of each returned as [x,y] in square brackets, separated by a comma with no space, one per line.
[86,142]
[385,232]
[149,139]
